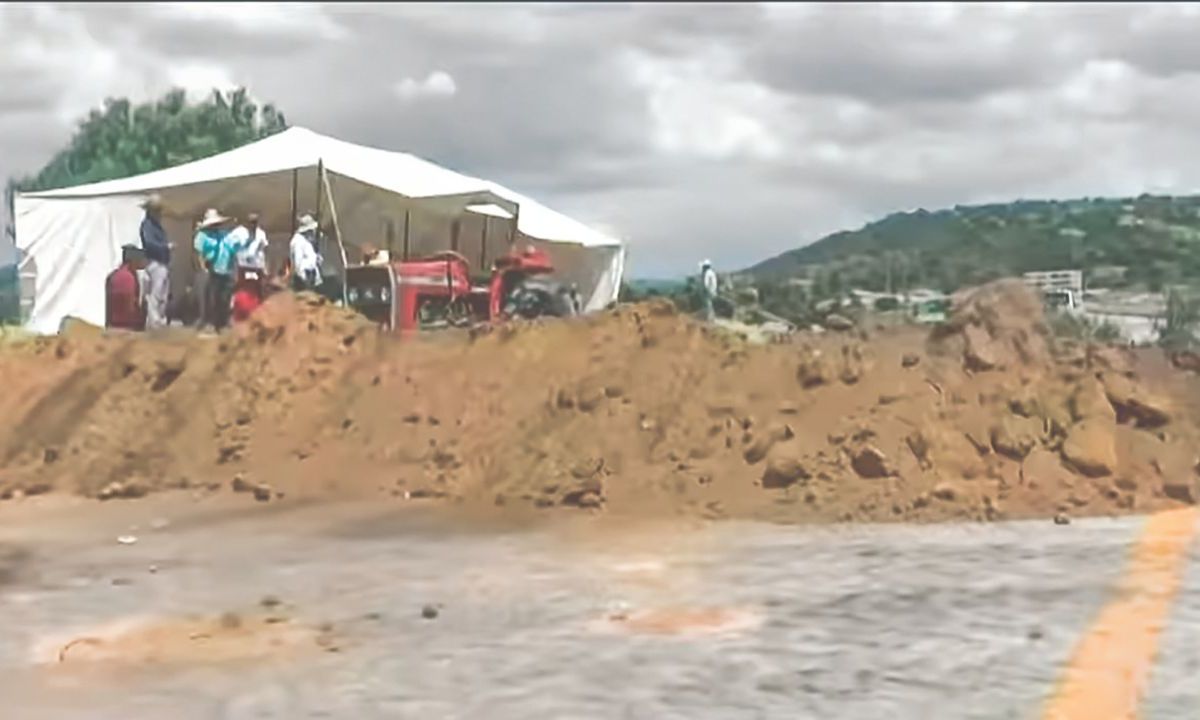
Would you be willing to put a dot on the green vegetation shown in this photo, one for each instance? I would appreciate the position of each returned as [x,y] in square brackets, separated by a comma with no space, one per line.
[10,296]
[1147,242]
[124,139]
[1183,312]
[1076,327]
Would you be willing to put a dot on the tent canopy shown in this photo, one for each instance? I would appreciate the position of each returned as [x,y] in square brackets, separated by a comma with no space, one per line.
[72,236]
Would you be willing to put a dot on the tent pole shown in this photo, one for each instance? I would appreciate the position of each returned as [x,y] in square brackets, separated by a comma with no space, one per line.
[512,237]
[320,174]
[455,229]
[483,246]
[337,231]
[406,223]
[295,191]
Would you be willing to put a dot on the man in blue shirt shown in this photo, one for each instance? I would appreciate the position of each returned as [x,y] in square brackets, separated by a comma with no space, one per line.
[157,250]
[216,251]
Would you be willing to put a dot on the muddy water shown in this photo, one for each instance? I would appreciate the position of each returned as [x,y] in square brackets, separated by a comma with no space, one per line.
[573,621]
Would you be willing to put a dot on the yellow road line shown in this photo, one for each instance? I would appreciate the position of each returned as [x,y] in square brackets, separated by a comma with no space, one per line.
[1107,674]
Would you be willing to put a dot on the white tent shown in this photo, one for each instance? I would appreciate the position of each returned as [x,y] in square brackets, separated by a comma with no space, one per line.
[70,239]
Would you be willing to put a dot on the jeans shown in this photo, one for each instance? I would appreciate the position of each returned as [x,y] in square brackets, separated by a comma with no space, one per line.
[158,291]
[709,314]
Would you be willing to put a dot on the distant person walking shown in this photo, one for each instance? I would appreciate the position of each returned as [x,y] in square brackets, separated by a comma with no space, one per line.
[123,309]
[157,249]
[306,262]
[216,252]
[708,288]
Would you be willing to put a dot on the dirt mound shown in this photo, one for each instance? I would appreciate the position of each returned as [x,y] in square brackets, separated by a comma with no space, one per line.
[636,411]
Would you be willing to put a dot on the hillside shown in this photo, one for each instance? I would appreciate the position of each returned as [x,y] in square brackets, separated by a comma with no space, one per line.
[1146,241]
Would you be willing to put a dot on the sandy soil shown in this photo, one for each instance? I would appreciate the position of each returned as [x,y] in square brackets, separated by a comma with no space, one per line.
[638,412]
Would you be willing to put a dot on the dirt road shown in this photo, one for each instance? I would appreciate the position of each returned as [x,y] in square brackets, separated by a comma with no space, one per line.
[576,619]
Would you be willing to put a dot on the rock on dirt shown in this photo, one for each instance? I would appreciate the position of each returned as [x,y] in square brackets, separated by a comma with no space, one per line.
[1135,404]
[785,467]
[838,323]
[1181,491]
[118,489]
[1015,437]
[1090,448]
[871,462]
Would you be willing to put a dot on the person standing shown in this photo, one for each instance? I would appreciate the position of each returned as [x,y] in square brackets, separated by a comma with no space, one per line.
[123,309]
[252,244]
[708,288]
[216,251]
[306,263]
[157,249]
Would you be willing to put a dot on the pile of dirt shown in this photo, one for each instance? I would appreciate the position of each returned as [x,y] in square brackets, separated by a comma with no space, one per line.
[637,410]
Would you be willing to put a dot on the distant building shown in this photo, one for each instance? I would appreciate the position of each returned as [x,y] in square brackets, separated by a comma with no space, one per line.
[1055,280]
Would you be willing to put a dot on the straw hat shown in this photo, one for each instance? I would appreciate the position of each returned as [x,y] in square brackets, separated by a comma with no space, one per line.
[307,223]
[211,218]
[152,202]
[705,263]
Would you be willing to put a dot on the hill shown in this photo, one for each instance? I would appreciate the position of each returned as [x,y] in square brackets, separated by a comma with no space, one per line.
[1146,241]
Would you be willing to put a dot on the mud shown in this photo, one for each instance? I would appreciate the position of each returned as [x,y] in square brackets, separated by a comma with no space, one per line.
[637,412]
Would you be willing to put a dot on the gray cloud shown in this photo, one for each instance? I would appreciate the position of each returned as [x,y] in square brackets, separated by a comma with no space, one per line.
[726,130]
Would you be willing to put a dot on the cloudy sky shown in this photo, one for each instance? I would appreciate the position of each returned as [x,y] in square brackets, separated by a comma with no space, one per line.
[728,131]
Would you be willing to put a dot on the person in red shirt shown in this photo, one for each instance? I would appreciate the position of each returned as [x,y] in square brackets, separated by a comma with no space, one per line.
[123,309]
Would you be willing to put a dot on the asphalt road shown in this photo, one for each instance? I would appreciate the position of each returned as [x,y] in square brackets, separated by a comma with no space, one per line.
[869,622]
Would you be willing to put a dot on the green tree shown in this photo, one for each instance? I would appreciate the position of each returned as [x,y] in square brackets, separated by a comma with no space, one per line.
[1183,312]
[121,139]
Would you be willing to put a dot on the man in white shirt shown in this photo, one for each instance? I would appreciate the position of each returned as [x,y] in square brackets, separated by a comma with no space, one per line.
[306,263]
[708,282]
[252,243]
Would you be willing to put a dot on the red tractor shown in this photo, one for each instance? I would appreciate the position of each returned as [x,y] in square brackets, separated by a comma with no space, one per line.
[436,291]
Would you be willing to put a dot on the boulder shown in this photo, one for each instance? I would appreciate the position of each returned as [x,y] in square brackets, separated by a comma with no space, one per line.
[871,462]
[1015,437]
[1089,401]
[980,352]
[1090,448]
[918,442]
[1109,358]
[1135,404]
[813,370]
[762,444]
[910,360]
[945,492]
[1182,491]
[840,323]
[853,365]
[785,467]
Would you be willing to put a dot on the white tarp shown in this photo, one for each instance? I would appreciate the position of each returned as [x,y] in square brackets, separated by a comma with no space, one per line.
[73,236]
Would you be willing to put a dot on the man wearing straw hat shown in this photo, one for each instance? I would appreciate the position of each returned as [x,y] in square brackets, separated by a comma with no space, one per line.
[157,251]
[216,252]
[305,261]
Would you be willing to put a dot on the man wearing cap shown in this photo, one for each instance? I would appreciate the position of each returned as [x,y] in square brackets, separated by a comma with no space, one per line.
[158,261]
[306,263]
[216,252]
[708,287]
[122,292]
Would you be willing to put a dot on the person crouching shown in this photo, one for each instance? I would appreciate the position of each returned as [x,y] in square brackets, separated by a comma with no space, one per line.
[123,305]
